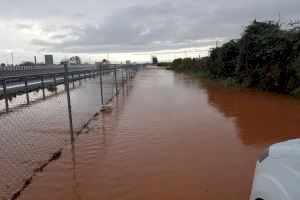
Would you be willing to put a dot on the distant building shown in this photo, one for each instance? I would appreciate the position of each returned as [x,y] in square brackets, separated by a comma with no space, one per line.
[128,62]
[48,59]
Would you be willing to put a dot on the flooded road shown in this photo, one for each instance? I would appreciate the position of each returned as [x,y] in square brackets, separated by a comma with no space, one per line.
[171,136]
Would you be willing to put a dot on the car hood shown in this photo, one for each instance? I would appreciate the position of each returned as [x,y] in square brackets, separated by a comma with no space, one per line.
[283,148]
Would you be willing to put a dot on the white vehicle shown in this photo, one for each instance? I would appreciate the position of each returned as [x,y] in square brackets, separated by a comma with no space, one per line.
[277,175]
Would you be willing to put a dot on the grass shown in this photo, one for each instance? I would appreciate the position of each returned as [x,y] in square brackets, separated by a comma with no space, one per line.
[207,75]
[225,82]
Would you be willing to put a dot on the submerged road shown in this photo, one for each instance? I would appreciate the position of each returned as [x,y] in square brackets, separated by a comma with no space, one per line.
[170,136]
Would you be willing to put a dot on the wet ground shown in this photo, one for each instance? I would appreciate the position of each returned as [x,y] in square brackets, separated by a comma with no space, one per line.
[170,136]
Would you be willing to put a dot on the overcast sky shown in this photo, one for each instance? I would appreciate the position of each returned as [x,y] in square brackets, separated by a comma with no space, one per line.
[126,28]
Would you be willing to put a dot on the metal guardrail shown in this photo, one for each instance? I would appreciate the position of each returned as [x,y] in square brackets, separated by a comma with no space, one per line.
[38,67]
[12,86]
[27,67]
[27,70]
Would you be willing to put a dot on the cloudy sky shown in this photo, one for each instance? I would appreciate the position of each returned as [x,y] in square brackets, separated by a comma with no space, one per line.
[128,29]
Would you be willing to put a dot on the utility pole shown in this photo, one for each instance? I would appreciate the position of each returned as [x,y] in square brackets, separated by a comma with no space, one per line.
[12,58]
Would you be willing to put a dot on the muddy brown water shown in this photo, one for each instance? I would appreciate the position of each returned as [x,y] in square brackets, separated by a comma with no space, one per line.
[171,136]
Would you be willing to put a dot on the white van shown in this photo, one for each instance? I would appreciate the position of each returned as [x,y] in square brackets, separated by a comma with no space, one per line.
[277,175]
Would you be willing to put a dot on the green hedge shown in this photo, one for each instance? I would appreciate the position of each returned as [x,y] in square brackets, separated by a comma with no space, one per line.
[266,57]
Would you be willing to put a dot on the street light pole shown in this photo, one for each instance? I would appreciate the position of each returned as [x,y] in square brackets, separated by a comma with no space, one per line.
[12,58]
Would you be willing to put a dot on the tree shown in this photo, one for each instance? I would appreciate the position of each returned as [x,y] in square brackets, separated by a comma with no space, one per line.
[154,60]
[2,65]
[223,60]
[266,51]
[76,60]
[266,57]
[27,63]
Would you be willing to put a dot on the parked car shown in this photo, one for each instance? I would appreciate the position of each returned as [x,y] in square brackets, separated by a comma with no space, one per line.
[277,174]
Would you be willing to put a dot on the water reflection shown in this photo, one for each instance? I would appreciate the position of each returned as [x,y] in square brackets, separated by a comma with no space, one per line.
[262,118]
[74,174]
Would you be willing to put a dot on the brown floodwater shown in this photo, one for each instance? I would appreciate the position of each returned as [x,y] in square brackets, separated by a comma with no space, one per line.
[171,136]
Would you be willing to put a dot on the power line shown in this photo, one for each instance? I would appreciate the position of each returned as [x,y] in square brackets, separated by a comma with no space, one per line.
[172,52]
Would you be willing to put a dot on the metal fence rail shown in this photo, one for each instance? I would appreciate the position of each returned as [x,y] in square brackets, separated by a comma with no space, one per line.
[18,70]
[43,67]
[42,113]
[27,67]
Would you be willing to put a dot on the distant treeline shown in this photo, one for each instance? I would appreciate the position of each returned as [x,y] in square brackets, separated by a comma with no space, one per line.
[164,64]
[267,57]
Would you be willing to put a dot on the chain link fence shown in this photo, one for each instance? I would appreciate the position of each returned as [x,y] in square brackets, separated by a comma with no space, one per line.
[41,114]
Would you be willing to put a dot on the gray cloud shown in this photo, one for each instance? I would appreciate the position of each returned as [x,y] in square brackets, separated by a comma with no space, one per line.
[119,26]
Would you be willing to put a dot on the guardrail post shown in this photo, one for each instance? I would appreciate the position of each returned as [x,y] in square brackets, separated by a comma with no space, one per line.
[67,89]
[54,80]
[122,78]
[116,81]
[5,96]
[27,90]
[43,87]
[73,80]
[129,73]
[79,77]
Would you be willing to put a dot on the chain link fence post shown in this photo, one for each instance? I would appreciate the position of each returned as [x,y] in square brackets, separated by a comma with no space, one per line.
[43,87]
[55,84]
[122,76]
[26,91]
[5,96]
[101,86]
[79,75]
[67,89]
[116,81]
[73,80]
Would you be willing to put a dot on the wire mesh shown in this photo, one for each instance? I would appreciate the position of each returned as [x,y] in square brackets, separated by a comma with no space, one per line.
[36,128]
